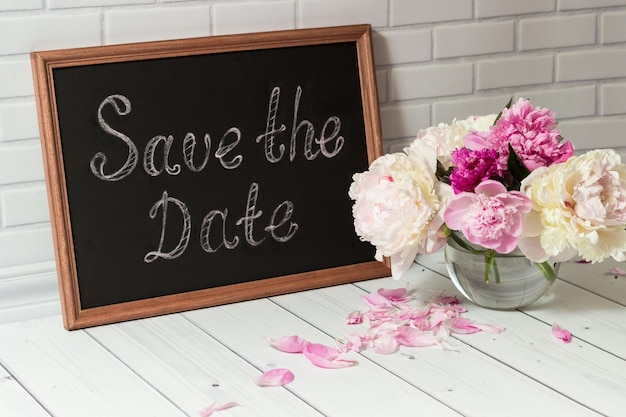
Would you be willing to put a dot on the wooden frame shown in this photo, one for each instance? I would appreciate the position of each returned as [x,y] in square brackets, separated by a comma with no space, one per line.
[44,65]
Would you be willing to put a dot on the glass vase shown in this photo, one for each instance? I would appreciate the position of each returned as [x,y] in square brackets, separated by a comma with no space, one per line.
[497,281]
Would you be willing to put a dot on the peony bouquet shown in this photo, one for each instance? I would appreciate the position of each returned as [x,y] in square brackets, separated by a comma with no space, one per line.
[493,184]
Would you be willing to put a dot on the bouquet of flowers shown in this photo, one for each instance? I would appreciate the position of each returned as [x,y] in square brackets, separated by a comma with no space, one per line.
[494,183]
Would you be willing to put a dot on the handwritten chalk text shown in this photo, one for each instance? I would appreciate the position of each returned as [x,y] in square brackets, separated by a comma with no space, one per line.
[163,155]
[214,233]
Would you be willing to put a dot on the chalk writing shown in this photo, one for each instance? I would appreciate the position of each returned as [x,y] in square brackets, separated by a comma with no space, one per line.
[223,149]
[281,216]
[222,153]
[189,147]
[131,159]
[185,232]
[206,228]
[309,135]
[215,230]
[270,130]
[148,156]
[269,137]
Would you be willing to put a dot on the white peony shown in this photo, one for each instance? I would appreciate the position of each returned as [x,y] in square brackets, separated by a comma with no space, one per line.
[398,206]
[445,138]
[579,208]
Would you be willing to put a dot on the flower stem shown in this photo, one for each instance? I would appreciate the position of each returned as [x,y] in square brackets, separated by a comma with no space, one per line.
[462,243]
[491,257]
[547,270]
[491,264]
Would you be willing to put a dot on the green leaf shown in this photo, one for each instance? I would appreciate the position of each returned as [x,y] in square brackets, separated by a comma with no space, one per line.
[516,168]
[442,174]
[508,106]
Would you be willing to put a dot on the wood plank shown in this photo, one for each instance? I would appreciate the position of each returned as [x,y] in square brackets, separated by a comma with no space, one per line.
[597,279]
[467,380]
[591,318]
[70,374]
[363,390]
[579,370]
[15,400]
[193,370]
[572,303]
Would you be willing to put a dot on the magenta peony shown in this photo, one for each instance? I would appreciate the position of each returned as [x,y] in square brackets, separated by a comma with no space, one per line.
[472,167]
[445,138]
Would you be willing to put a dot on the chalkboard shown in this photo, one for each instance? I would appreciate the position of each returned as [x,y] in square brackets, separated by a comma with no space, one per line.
[190,173]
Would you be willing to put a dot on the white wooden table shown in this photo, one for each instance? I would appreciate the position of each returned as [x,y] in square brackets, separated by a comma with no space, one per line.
[177,365]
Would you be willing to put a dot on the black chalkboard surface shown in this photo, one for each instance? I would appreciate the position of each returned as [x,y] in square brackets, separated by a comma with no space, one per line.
[189,173]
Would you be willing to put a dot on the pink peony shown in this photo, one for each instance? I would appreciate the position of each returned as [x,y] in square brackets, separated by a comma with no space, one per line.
[472,167]
[531,131]
[491,217]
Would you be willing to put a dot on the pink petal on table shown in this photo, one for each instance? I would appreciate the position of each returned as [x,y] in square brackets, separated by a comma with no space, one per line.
[489,328]
[462,325]
[397,295]
[373,300]
[352,342]
[561,333]
[617,271]
[275,378]
[356,317]
[325,356]
[206,412]
[445,299]
[409,336]
[289,344]
[386,345]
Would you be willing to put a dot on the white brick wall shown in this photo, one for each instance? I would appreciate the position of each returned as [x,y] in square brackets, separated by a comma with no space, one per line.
[473,39]
[22,34]
[146,24]
[16,121]
[436,60]
[494,8]
[557,32]
[613,27]
[514,71]
[230,18]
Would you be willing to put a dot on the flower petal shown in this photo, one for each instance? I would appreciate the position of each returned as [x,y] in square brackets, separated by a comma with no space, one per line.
[275,378]
[462,325]
[289,344]
[409,336]
[489,328]
[325,356]
[617,271]
[208,411]
[445,299]
[386,345]
[375,299]
[394,294]
[356,317]
[561,333]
